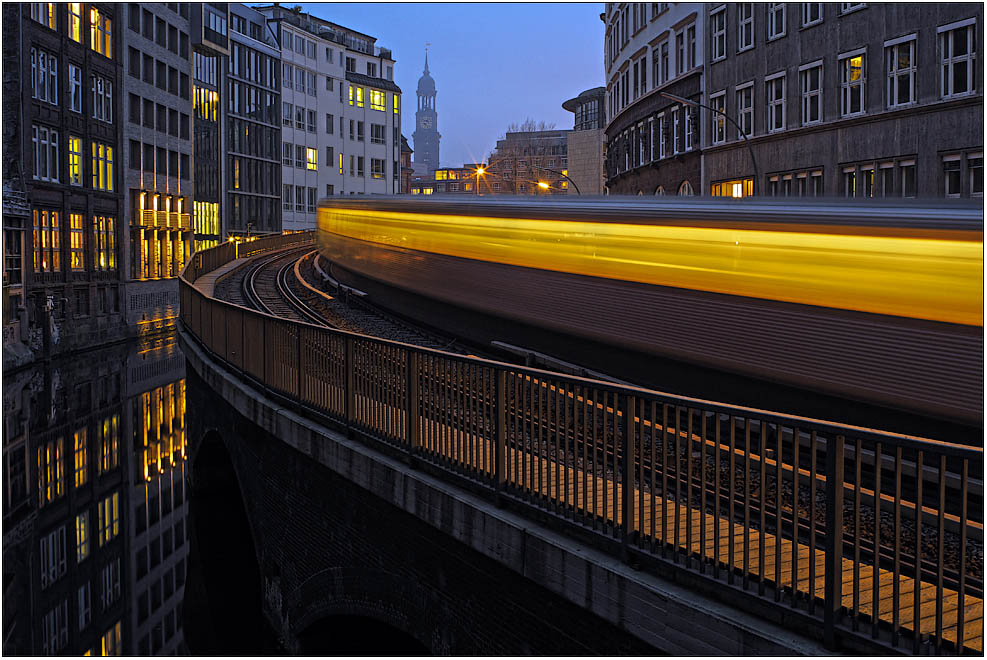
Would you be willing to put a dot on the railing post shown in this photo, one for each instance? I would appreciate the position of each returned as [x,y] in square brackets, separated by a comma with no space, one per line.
[350,395]
[627,470]
[833,601]
[264,354]
[298,334]
[411,412]
[500,430]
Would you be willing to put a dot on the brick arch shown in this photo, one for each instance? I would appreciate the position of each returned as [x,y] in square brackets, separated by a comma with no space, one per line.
[386,597]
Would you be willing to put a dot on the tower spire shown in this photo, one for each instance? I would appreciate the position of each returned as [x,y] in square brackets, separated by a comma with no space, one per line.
[427,44]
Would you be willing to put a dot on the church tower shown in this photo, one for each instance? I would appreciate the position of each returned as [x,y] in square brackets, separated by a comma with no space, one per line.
[426,135]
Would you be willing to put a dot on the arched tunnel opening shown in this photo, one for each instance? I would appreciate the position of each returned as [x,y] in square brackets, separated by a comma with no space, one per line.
[348,634]
[223,599]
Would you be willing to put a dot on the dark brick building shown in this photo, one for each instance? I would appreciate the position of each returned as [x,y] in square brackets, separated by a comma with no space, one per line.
[67,137]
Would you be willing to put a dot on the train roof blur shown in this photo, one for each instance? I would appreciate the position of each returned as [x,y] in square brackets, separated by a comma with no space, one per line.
[941,214]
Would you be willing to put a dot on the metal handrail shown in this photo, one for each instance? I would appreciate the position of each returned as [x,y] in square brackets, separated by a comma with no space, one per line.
[590,452]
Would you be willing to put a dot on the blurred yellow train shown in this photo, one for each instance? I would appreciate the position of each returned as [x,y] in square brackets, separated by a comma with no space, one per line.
[877,302]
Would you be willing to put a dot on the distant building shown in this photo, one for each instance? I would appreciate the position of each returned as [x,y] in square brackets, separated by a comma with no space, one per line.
[585,142]
[407,171]
[523,160]
[341,114]
[157,148]
[210,52]
[652,142]
[453,180]
[253,125]
[426,135]
[851,99]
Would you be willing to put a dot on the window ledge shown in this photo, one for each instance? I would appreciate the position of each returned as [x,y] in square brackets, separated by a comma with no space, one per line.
[745,49]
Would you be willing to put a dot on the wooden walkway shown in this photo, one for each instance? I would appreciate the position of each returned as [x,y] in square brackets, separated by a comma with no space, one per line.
[712,537]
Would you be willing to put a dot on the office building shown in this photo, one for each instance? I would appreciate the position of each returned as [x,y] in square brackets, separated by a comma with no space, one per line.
[585,142]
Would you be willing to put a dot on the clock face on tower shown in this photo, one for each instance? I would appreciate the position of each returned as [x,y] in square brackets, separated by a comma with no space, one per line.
[425,122]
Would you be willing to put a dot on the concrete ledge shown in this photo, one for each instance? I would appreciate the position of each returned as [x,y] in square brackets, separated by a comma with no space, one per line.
[655,610]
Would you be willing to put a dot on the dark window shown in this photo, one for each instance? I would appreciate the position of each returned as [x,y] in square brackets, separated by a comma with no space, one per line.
[148,167]
[161,75]
[148,113]
[185,167]
[141,561]
[183,45]
[135,155]
[185,86]
[148,19]
[162,118]
[134,11]
[173,122]
[173,80]
[135,109]
[134,59]
[148,69]
[172,171]
[160,28]
[161,165]
[173,39]
[185,124]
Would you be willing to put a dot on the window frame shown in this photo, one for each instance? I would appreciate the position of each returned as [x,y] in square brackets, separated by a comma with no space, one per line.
[742,25]
[772,83]
[805,95]
[895,74]
[774,8]
[844,61]
[946,64]
[718,35]
[805,18]
[740,89]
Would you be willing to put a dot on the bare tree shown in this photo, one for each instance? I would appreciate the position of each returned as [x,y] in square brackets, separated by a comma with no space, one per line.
[512,158]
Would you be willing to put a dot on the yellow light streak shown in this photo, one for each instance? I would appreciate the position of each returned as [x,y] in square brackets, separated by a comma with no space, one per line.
[921,276]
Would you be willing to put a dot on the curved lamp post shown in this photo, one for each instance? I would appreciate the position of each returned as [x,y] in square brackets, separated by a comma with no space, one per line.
[565,176]
[697,104]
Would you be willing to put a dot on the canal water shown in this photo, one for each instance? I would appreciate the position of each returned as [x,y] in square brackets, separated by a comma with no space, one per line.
[96,530]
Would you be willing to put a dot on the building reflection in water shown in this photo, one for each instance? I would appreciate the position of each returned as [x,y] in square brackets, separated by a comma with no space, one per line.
[94,537]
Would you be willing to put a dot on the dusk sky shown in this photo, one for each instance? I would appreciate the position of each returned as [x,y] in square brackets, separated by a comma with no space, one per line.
[493,64]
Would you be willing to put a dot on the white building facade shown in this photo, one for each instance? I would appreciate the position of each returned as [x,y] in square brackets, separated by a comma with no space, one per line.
[341,115]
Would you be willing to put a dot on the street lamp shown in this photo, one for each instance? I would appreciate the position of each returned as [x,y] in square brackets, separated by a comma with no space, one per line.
[565,176]
[543,185]
[479,172]
[697,104]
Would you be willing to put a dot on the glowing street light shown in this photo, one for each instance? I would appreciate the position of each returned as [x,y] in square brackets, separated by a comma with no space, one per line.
[543,185]
[480,171]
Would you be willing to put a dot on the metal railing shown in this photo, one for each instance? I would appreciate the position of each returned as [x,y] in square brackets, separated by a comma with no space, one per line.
[771,505]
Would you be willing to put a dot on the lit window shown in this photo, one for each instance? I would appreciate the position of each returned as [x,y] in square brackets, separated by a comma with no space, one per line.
[110,643]
[109,518]
[75,160]
[102,166]
[82,534]
[351,95]
[44,13]
[100,33]
[378,100]
[109,430]
[104,242]
[311,158]
[377,167]
[397,104]
[959,49]
[735,188]
[47,259]
[75,21]
[77,262]
[340,162]
[852,85]
[359,97]
[427,191]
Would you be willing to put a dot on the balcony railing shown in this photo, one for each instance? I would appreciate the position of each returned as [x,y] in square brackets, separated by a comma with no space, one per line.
[866,539]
